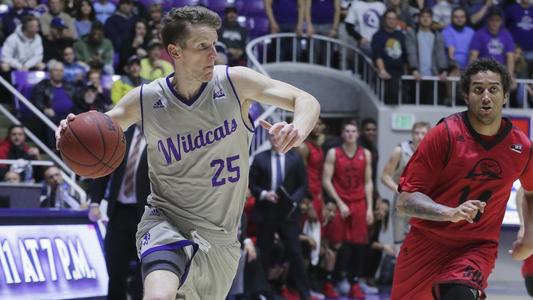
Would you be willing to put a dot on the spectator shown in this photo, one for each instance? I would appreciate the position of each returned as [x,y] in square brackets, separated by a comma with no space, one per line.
[127,82]
[154,21]
[55,9]
[54,97]
[442,13]
[363,20]
[152,66]
[494,41]
[477,10]
[95,78]
[322,17]
[13,18]
[37,9]
[285,16]
[85,16]
[74,70]
[367,139]
[234,36]
[89,99]
[404,13]
[12,177]
[57,41]
[23,49]
[120,23]
[137,44]
[14,146]
[426,55]
[95,49]
[56,192]
[520,23]
[457,37]
[279,183]
[388,49]
[103,10]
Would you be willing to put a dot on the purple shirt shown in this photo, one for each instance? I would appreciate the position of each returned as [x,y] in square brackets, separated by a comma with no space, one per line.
[62,103]
[496,47]
[460,40]
[322,11]
[285,11]
[520,23]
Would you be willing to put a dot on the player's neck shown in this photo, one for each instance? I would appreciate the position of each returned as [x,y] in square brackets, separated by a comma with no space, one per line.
[185,86]
[349,147]
[483,129]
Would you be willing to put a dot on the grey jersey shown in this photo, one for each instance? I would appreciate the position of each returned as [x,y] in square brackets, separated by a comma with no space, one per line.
[407,152]
[197,152]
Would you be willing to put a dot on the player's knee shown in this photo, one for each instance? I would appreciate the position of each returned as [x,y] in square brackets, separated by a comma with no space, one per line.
[159,295]
[529,285]
[453,291]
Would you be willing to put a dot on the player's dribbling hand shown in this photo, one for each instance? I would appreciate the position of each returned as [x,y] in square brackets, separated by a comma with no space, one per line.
[284,135]
[467,211]
[522,248]
[62,126]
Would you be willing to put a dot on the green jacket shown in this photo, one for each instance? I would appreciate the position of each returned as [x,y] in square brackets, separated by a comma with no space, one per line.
[85,51]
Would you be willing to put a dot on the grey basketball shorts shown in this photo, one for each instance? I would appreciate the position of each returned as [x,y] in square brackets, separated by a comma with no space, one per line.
[204,261]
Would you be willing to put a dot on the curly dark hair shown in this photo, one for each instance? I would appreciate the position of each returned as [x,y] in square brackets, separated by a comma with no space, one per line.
[484,65]
[175,23]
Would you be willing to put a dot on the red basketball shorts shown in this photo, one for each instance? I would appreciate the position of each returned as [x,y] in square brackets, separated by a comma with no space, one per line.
[424,263]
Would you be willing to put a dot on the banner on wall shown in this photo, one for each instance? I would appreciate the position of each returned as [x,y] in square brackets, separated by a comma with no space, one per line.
[51,262]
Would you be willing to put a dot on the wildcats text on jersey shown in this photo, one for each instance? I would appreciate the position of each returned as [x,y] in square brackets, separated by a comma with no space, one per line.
[191,143]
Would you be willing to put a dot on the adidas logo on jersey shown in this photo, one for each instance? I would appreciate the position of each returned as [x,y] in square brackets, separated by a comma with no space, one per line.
[516,148]
[159,104]
[218,94]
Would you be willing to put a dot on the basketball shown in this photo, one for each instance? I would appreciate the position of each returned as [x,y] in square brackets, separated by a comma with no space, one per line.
[93,145]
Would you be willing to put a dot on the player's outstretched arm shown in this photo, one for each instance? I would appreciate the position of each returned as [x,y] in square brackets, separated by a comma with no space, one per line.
[128,110]
[126,113]
[253,86]
[421,206]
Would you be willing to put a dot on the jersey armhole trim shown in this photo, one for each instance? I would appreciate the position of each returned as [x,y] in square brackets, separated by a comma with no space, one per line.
[528,159]
[142,111]
[449,152]
[240,104]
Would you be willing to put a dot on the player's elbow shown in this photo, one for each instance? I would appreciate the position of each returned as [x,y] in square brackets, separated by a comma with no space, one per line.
[401,203]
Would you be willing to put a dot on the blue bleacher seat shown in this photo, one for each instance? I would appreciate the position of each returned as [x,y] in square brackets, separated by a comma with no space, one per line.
[169,4]
[217,6]
[24,81]
[257,26]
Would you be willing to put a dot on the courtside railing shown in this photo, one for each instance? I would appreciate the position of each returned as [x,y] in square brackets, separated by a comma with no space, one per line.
[319,50]
[68,174]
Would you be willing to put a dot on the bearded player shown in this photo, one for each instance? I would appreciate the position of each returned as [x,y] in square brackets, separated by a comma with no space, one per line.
[455,188]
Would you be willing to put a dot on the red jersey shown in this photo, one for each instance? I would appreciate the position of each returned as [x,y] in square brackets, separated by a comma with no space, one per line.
[349,177]
[454,164]
[315,165]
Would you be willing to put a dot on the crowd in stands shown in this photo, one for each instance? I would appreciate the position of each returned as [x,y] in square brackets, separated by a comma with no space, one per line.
[293,237]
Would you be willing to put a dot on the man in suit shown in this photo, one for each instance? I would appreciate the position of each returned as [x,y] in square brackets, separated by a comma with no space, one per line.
[126,191]
[279,182]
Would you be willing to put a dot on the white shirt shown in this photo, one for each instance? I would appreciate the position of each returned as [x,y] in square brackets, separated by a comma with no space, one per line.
[274,172]
[366,17]
[132,199]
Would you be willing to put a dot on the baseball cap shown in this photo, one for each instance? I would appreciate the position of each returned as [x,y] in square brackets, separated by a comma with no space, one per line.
[133,59]
[57,22]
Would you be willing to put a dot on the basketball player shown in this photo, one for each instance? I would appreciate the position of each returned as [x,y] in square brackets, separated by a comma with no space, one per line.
[198,133]
[391,177]
[347,179]
[455,188]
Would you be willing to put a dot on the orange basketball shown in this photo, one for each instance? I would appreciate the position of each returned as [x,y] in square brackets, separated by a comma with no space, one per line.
[93,145]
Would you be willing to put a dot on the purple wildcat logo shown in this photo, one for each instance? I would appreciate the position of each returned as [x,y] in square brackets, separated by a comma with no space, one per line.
[170,147]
